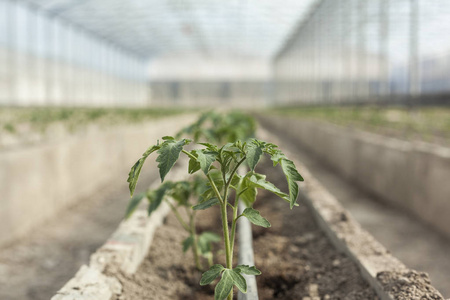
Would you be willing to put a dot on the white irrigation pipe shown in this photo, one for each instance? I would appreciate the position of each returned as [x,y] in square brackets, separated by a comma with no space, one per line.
[246,255]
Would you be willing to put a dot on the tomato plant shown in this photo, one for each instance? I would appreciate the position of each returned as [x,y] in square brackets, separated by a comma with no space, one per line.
[220,165]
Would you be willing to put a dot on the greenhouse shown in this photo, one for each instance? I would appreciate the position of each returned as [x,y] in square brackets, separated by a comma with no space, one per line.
[241,149]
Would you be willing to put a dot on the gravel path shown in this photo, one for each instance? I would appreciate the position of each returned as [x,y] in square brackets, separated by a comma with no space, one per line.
[35,267]
[416,245]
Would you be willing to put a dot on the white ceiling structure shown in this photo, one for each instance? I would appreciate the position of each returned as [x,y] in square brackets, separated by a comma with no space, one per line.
[211,28]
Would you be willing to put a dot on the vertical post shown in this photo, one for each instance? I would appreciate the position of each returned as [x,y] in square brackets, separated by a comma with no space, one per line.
[414,67]
[383,71]
[362,61]
[11,32]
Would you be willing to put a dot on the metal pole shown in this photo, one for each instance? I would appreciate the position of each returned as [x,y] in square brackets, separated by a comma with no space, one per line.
[11,32]
[414,72]
[362,62]
[383,49]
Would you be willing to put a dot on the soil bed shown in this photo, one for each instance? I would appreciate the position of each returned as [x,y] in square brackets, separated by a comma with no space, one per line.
[295,257]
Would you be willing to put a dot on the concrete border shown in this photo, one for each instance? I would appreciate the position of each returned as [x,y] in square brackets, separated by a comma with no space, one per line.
[124,250]
[38,181]
[409,175]
[373,259]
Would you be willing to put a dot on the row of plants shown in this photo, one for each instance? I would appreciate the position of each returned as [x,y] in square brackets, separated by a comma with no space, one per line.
[427,123]
[222,164]
[38,119]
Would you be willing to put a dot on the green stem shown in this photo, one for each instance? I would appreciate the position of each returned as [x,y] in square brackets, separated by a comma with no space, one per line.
[214,187]
[233,225]
[226,237]
[178,216]
[195,251]
[188,154]
[235,170]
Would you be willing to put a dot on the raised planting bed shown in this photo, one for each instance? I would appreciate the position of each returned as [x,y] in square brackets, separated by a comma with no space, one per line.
[297,258]
[314,251]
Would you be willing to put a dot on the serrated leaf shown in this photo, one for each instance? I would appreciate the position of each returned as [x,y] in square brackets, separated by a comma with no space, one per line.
[225,285]
[169,152]
[205,159]
[210,237]
[206,204]
[156,197]
[254,152]
[205,240]
[194,166]
[238,280]
[292,176]
[187,243]
[208,193]
[249,196]
[211,274]
[210,147]
[255,217]
[259,181]
[133,175]
[134,203]
[245,269]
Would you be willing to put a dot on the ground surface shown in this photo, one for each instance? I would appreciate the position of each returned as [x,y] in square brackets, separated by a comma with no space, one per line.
[430,124]
[35,267]
[414,243]
[295,257]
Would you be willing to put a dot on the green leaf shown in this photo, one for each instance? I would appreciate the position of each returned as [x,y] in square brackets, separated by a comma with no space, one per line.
[134,203]
[210,147]
[292,176]
[249,196]
[169,152]
[211,274]
[254,152]
[238,280]
[225,285]
[259,181]
[194,166]
[156,197]
[210,237]
[245,269]
[187,243]
[206,204]
[255,217]
[205,240]
[133,175]
[205,159]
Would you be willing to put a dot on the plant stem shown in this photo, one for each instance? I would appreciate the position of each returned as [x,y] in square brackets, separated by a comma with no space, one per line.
[216,191]
[233,224]
[178,216]
[226,237]
[198,263]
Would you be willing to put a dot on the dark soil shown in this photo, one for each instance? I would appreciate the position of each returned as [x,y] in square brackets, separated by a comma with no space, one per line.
[295,257]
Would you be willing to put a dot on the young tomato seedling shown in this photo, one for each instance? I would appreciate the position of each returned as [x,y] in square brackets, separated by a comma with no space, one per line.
[178,196]
[221,128]
[220,166]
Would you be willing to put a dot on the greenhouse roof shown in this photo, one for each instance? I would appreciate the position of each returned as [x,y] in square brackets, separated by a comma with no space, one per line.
[150,28]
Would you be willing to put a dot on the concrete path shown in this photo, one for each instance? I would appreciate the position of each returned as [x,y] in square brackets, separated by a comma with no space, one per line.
[415,244]
[37,266]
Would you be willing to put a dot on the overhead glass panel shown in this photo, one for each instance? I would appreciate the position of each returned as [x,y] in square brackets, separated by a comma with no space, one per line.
[255,28]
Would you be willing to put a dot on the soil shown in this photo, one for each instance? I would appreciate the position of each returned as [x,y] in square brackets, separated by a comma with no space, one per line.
[295,257]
